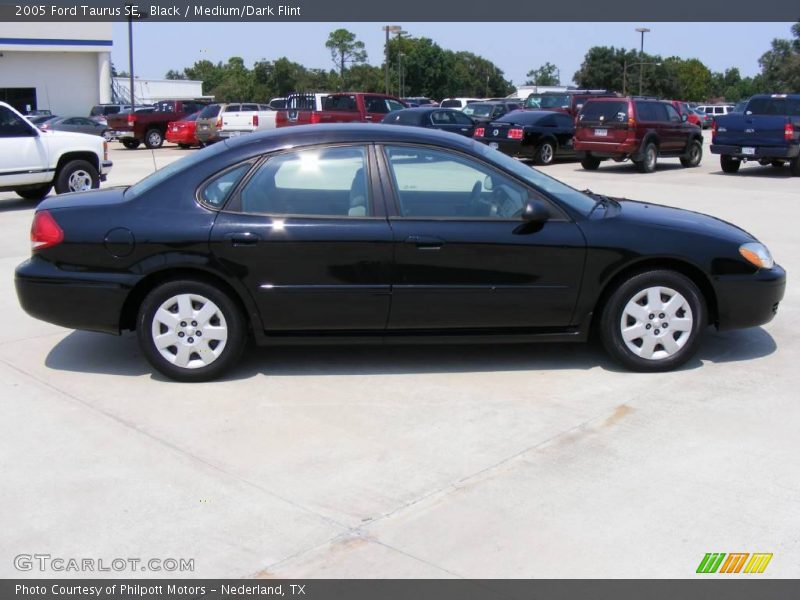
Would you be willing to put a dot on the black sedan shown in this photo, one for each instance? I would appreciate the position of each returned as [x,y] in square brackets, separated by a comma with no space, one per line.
[358,233]
[489,110]
[445,119]
[542,135]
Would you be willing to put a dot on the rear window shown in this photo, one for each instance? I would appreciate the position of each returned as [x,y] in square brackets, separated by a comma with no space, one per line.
[451,104]
[604,112]
[481,110]
[165,106]
[403,117]
[774,106]
[209,112]
[345,103]
[548,101]
[523,117]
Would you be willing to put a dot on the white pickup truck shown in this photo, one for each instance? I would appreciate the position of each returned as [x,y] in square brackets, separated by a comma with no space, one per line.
[33,161]
[245,118]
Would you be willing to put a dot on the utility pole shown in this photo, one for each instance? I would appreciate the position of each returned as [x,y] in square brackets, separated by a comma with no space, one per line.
[641,30]
[388,29]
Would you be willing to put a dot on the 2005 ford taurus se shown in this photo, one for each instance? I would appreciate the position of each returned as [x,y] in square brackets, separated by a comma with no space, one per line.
[372,232]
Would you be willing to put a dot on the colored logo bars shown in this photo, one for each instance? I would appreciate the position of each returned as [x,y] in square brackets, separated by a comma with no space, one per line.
[716,562]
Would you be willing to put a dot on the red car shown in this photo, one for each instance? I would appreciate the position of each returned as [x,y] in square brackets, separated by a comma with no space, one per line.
[182,132]
[684,109]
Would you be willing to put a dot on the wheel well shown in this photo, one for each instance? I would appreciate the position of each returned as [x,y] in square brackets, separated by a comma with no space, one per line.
[137,295]
[89,157]
[696,275]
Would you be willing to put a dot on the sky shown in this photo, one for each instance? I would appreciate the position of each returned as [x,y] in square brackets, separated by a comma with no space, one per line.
[516,48]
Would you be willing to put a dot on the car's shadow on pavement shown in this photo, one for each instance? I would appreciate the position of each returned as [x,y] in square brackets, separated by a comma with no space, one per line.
[17,204]
[85,352]
[767,172]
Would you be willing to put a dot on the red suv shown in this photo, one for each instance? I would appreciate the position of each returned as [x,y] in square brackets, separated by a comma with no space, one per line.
[639,129]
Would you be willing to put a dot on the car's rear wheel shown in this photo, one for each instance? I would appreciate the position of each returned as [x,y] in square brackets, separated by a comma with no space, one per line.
[36,193]
[130,144]
[694,155]
[653,321]
[649,159]
[77,176]
[184,146]
[590,163]
[153,139]
[729,164]
[190,331]
[777,163]
[545,153]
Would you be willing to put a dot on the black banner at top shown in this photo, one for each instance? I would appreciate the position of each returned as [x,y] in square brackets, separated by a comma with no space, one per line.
[405,10]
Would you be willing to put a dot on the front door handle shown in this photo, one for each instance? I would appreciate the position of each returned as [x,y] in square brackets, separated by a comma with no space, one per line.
[244,238]
[425,242]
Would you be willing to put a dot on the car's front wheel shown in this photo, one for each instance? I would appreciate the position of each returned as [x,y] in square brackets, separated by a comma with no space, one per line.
[77,176]
[653,321]
[190,331]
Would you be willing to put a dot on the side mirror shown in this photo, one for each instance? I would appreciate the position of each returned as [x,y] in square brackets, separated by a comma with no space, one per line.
[535,211]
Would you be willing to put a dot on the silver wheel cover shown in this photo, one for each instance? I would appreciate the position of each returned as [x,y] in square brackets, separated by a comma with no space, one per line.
[656,323]
[189,331]
[79,181]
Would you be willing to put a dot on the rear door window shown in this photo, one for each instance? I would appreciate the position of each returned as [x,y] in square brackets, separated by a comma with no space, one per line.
[605,112]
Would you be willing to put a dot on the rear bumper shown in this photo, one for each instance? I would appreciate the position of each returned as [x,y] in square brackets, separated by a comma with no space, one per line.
[616,150]
[749,300]
[70,299]
[787,152]
[222,134]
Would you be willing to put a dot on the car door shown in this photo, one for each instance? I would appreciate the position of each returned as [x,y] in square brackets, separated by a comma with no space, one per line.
[23,155]
[376,107]
[443,120]
[676,134]
[307,235]
[464,258]
[463,124]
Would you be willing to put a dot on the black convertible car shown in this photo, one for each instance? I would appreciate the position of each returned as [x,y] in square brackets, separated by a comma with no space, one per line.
[365,232]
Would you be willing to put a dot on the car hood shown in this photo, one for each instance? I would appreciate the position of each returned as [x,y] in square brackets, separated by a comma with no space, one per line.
[106,196]
[78,137]
[667,217]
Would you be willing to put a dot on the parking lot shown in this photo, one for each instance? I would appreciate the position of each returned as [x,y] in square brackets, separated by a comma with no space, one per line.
[481,461]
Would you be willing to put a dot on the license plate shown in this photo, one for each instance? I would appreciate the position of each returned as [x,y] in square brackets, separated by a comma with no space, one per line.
[601,132]
[749,151]
[203,126]
[493,145]
[175,129]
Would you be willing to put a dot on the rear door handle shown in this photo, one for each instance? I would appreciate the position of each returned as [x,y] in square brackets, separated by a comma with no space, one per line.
[425,242]
[244,238]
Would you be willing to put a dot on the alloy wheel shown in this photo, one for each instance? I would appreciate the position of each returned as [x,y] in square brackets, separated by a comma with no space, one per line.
[79,181]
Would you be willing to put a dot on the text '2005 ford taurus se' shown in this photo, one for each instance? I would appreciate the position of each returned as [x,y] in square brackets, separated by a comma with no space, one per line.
[365,232]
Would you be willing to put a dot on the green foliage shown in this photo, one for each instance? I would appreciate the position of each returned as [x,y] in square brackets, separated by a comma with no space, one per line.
[547,74]
[345,49]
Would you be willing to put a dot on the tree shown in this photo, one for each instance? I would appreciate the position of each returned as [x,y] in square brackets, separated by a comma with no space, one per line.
[547,74]
[173,74]
[345,49]
[780,65]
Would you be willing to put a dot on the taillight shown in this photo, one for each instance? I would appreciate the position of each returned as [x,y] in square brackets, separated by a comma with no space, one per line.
[45,232]
[479,131]
[315,117]
[219,122]
[788,132]
[255,120]
[281,119]
[515,134]
[131,119]
[714,128]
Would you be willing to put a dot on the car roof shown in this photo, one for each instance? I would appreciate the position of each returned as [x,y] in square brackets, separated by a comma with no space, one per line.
[302,135]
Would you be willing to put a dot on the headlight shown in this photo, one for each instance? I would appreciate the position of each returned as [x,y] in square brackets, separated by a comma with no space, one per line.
[757,254]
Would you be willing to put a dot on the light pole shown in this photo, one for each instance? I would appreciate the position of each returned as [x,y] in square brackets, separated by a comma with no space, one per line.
[400,56]
[625,73]
[388,29]
[641,30]
[132,14]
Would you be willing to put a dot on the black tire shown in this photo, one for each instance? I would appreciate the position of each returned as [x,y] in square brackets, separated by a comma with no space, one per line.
[184,146]
[794,167]
[665,355]
[729,164]
[153,138]
[130,143]
[649,159]
[590,163]
[694,154]
[545,153]
[77,176]
[35,193]
[188,345]
[777,163]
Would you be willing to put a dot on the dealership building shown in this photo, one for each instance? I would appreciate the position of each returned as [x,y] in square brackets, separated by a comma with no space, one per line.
[52,66]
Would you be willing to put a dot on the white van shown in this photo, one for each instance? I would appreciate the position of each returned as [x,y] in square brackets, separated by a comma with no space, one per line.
[457,103]
[716,110]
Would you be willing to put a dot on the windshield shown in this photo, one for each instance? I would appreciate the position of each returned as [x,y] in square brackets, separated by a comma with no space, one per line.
[548,101]
[180,165]
[576,200]
[479,110]
[209,112]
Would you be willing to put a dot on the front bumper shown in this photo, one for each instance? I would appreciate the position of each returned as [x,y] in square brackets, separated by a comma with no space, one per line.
[105,167]
[77,300]
[749,300]
[787,152]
